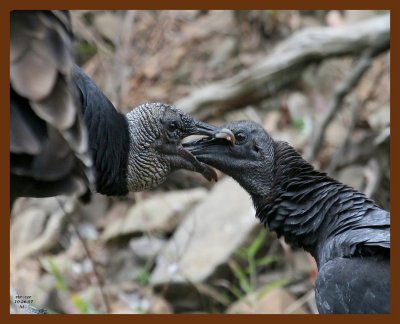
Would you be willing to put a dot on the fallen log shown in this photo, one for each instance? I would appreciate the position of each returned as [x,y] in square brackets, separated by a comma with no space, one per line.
[286,63]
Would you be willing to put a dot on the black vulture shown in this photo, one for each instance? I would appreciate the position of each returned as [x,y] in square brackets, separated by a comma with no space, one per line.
[346,233]
[64,132]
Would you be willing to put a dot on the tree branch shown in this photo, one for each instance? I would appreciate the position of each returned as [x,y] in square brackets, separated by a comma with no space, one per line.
[335,104]
[285,64]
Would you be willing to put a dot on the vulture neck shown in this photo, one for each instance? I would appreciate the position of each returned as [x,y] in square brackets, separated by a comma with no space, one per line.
[309,208]
[109,142]
[146,167]
[109,139]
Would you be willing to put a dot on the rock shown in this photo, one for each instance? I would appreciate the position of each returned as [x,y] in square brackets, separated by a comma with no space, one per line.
[146,247]
[27,226]
[264,301]
[94,211]
[128,298]
[122,266]
[161,212]
[37,230]
[143,304]
[205,240]
[117,211]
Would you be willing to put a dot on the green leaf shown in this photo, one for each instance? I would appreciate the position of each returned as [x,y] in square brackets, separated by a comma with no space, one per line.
[143,277]
[236,292]
[266,260]
[299,123]
[257,243]
[273,285]
[240,275]
[242,253]
[60,281]
[82,305]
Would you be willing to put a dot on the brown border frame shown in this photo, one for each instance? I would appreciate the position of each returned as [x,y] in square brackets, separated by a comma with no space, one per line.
[7,6]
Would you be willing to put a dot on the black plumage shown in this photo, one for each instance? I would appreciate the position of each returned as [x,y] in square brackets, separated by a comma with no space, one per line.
[347,233]
[108,134]
[64,132]
[49,153]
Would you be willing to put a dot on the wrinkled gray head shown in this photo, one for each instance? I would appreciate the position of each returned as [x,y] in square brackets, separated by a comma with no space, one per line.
[250,160]
[156,131]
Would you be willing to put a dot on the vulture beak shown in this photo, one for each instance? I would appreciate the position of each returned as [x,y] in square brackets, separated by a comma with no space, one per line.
[223,137]
[188,161]
[226,134]
[202,128]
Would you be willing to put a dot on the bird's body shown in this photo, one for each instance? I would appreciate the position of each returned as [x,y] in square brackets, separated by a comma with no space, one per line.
[64,132]
[49,153]
[347,233]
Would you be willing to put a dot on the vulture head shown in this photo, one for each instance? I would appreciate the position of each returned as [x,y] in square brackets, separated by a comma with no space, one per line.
[156,132]
[242,150]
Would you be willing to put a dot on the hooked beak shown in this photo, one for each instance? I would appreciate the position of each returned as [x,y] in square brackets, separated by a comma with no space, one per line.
[185,150]
[223,137]
[202,128]
[226,134]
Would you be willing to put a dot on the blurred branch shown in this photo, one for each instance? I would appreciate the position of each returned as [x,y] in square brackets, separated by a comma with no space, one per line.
[99,280]
[356,107]
[335,104]
[285,64]
[100,283]
[122,68]
[299,302]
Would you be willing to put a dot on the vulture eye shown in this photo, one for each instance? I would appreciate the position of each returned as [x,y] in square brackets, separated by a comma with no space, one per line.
[172,126]
[240,138]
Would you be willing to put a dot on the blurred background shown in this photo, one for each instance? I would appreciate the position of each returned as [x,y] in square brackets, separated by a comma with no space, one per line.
[192,246]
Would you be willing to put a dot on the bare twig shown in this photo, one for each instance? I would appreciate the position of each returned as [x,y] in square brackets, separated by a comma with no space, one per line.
[363,64]
[356,108]
[122,70]
[299,302]
[99,281]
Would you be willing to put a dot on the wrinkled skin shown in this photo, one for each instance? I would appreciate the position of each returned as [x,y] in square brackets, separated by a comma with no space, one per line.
[237,147]
[156,133]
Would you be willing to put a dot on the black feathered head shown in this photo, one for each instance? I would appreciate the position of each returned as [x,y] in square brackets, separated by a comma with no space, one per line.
[249,158]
